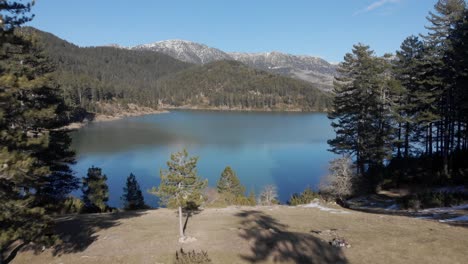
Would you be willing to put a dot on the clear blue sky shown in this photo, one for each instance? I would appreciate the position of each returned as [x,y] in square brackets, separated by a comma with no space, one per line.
[327,29]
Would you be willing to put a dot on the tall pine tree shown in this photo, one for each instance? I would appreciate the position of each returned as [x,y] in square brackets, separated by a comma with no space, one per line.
[34,158]
[362,109]
[132,196]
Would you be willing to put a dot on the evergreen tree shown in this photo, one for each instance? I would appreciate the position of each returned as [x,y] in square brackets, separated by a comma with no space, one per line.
[363,109]
[180,185]
[230,186]
[132,197]
[417,109]
[448,13]
[251,198]
[458,55]
[95,190]
[34,157]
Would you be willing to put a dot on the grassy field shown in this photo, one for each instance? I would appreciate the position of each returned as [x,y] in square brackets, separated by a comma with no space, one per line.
[278,234]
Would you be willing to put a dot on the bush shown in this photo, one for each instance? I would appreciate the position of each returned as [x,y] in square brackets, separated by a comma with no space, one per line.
[72,205]
[191,257]
[303,198]
[342,181]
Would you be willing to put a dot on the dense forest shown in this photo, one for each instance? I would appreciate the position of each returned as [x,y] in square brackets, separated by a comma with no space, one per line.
[232,84]
[109,74]
[404,118]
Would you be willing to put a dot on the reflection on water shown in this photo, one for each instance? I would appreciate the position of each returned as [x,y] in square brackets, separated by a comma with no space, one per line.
[285,149]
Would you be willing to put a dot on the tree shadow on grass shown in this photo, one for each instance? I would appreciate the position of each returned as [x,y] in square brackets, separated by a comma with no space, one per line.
[77,232]
[270,240]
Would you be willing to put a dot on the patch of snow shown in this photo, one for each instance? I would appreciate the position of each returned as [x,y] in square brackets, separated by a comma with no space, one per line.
[393,207]
[316,204]
[445,209]
[463,218]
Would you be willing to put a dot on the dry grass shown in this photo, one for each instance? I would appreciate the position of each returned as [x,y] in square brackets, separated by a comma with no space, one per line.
[261,235]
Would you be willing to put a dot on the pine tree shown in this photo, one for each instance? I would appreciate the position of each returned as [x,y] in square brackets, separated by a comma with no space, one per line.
[447,15]
[34,157]
[132,197]
[251,198]
[180,185]
[230,186]
[363,109]
[95,191]
[417,102]
[458,55]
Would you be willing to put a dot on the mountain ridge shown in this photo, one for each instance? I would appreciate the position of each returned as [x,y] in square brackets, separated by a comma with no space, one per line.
[308,68]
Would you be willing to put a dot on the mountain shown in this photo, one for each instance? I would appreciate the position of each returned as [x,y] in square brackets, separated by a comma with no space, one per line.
[312,69]
[307,68]
[90,76]
[186,51]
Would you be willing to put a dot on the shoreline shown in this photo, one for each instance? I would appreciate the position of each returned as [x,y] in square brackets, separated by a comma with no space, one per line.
[106,118]
[166,109]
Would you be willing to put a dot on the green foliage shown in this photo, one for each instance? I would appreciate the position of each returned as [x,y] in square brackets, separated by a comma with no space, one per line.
[230,188]
[191,257]
[107,74]
[180,184]
[231,84]
[229,183]
[307,196]
[362,108]
[95,191]
[34,158]
[132,196]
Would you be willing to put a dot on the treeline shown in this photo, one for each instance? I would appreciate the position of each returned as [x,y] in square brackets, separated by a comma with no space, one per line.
[404,118]
[146,78]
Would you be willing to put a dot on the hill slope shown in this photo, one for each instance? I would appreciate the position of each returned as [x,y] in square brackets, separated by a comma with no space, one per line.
[307,68]
[92,75]
[233,85]
[312,69]
[245,235]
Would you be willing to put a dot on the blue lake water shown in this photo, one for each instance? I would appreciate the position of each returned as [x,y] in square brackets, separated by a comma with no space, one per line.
[288,150]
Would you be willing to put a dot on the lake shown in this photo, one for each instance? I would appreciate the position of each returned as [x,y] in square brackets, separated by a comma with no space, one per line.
[288,150]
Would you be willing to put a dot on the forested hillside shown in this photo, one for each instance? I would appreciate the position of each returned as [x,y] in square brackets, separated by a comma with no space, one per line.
[231,84]
[91,75]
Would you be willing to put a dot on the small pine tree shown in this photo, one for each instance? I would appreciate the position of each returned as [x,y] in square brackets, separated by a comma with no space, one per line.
[229,186]
[251,198]
[95,191]
[132,197]
[180,185]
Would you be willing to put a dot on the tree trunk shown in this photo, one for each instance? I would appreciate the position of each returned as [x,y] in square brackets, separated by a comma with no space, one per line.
[181,227]
[407,139]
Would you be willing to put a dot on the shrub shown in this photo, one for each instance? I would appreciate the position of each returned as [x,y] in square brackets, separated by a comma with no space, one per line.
[268,196]
[72,205]
[342,182]
[191,257]
[303,198]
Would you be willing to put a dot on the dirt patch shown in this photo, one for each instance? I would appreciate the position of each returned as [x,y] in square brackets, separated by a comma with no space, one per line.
[277,234]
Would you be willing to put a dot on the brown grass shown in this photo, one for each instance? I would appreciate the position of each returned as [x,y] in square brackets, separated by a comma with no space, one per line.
[262,235]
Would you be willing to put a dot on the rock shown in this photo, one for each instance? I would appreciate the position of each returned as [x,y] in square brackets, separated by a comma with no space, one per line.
[339,243]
